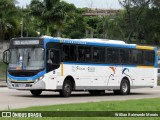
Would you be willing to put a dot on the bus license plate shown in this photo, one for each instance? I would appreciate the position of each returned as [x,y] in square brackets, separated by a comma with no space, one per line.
[20,85]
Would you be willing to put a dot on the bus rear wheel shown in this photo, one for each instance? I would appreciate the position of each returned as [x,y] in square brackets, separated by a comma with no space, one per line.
[36,92]
[67,89]
[124,88]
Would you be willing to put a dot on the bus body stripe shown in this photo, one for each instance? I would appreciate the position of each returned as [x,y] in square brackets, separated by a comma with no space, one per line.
[62,69]
[145,66]
[31,78]
[117,65]
[144,47]
[61,40]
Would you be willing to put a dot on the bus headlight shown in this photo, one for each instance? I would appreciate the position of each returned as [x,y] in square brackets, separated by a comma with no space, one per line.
[38,79]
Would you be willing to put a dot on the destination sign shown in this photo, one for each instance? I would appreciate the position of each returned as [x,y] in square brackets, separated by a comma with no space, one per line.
[26,42]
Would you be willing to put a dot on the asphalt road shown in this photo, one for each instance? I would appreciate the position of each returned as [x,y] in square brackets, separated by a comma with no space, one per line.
[10,99]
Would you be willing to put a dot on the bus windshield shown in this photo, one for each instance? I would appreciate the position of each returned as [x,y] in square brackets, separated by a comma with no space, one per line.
[26,59]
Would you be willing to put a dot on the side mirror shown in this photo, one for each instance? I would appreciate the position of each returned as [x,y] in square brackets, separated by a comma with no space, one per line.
[6,56]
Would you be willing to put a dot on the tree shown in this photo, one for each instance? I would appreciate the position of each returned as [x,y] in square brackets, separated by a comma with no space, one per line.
[133,16]
[63,13]
[91,25]
[151,24]
[31,24]
[52,12]
[76,27]
[8,22]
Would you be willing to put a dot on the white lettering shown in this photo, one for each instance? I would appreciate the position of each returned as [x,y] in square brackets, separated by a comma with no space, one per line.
[152,114]
[34,115]
[19,114]
[121,114]
[26,42]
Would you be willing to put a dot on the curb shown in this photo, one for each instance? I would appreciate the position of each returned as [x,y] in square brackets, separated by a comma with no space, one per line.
[3,83]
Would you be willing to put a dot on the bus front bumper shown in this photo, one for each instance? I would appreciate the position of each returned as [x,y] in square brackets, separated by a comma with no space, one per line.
[26,86]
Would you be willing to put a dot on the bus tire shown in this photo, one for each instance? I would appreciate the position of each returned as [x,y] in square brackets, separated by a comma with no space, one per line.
[36,92]
[124,87]
[67,89]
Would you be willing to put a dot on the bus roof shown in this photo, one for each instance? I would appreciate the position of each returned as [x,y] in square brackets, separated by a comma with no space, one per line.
[98,40]
[92,41]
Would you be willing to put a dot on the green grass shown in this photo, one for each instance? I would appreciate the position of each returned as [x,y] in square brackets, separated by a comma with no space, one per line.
[2,70]
[127,105]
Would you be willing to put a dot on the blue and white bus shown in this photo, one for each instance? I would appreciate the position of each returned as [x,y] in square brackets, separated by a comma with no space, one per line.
[66,65]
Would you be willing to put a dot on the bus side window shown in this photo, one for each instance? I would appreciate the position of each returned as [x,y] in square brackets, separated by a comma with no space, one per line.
[84,53]
[69,53]
[95,54]
[125,56]
[87,54]
[65,54]
[149,57]
[112,55]
[81,54]
[137,57]
[109,55]
[134,56]
[98,55]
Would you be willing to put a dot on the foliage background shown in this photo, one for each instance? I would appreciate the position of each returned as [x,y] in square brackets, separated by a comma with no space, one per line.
[137,22]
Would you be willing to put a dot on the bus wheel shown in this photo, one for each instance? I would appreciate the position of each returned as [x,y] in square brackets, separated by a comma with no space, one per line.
[36,92]
[125,87]
[67,89]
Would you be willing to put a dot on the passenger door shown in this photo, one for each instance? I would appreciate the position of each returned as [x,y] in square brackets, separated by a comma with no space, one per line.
[53,59]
